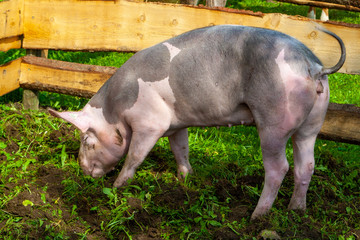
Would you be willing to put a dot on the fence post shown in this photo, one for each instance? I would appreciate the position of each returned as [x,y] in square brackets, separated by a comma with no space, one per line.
[324,14]
[31,97]
[216,3]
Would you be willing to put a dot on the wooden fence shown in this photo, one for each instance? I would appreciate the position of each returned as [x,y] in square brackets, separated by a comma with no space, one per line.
[92,25]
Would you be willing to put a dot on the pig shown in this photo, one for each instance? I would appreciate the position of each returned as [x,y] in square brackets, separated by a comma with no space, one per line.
[214,76]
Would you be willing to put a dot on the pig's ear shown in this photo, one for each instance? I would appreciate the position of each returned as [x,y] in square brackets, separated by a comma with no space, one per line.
[78,119]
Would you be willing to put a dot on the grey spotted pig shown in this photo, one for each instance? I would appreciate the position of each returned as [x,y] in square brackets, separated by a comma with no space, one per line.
[215,76]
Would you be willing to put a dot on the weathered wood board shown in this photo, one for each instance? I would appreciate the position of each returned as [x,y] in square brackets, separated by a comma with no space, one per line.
[132,26]
[63,77]
[11,21]
[11,18]
[342,123]
[10,43]
[10,76]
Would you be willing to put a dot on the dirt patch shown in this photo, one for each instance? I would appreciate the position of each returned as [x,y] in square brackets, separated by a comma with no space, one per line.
[224,189]
[51,177]
[163,162]
[43,200]
[65,133]
[225,234]
[12,148]
[12,132]
[175,196]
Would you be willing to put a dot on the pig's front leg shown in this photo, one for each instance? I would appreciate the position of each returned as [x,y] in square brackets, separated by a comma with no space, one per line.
[179,144]
[141,143]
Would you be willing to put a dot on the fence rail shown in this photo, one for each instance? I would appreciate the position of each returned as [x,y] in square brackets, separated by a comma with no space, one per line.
[131,26]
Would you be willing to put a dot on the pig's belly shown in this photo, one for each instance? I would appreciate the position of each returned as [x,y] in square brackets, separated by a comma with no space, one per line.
[241,116]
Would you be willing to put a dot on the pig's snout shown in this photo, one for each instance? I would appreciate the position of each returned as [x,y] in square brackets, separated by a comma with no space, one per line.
[92,170]
[97,172]
[87,168]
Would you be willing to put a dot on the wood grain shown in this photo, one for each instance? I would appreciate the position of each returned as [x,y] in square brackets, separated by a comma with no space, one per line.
[10,43]
[10,76]
[11,18]
[133,26]
[342,124]
[63,77]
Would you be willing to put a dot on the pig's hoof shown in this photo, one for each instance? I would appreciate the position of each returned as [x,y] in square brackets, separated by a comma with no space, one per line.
[297,205]
[184,173]
[181,176]
[254,217]
[121,182]
[258,214]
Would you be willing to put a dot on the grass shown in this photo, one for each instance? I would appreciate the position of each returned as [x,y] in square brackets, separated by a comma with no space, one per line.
[44,194]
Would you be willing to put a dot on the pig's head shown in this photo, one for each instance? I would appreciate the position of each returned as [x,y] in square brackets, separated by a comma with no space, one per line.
[102,144]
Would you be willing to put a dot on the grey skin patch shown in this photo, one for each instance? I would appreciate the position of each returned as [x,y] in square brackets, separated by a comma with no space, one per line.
[218,71]
[116,95]
[230,66]
[120,92]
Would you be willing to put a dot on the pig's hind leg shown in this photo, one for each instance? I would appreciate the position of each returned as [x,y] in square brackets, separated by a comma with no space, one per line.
[273,145]
[303,144]
[179,144]
[275,125]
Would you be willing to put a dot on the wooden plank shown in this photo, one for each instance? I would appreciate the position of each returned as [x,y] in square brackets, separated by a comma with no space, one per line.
[11,18]
[63,77]
[10,43]
[349,6]
[342,124]
[9,76]
[132,26]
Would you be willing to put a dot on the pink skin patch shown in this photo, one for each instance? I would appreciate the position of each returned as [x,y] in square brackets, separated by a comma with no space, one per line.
[293,84]
[172,50]
[150,119]
[155,100]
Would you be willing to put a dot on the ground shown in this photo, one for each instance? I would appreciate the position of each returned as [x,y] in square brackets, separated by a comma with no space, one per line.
[46,196]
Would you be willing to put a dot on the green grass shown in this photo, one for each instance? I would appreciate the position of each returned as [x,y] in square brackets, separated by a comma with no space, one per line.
[44,194]
[292,9]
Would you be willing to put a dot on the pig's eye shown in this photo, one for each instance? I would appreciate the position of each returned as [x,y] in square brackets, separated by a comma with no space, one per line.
[89,141]
[89,146]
